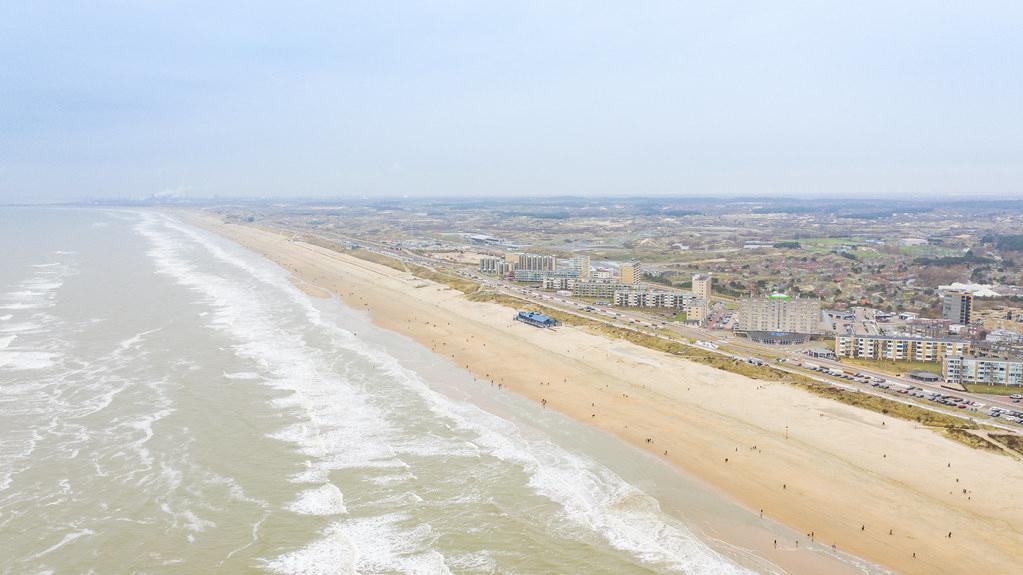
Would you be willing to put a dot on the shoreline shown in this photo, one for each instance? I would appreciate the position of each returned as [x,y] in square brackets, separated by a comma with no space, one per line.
[846,474]
[712,517]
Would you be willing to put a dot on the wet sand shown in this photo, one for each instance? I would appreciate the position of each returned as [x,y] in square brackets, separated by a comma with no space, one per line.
[879,488]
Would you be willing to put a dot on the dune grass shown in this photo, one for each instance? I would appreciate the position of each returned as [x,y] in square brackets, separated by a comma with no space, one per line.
[1011,442]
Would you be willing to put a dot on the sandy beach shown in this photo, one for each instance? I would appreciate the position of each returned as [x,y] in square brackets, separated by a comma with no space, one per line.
[879,488]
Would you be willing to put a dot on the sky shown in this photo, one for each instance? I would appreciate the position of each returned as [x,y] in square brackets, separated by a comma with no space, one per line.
[907,99]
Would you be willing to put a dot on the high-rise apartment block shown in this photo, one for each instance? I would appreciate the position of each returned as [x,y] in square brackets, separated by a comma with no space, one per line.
[578,267]
[536,262]
[780,313]
[630,273]
[957,307]
[701,286]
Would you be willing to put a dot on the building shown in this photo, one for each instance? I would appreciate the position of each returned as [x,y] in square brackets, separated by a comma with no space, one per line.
[656,299]
[536,319]
[701,286]
[494,266]
[899,348]
[630,273]
[488,264]
[982,371]
[780,314]
[536,262]
[957,307]
[578,267]
[697,310]
[550,282]
[529,275]
[631,298]
[925,376]
[597,289]
[935,328]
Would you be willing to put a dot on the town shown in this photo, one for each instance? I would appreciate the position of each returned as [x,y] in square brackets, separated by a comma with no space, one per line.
[920,301]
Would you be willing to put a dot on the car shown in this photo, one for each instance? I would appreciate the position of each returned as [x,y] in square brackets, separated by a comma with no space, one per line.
[1016,396]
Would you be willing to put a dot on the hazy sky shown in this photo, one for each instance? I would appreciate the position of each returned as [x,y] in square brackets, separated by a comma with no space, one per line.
[879,98]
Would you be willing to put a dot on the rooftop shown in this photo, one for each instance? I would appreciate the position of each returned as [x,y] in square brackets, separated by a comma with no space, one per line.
[536,316]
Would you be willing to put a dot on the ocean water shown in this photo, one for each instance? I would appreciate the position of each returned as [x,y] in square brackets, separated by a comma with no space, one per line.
[171,403]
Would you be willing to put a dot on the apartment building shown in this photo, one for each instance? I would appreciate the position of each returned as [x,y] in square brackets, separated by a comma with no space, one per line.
[697,310]
[957,307]
[900,348]
[495,266]
[579,266]
[630,273]
[597,289]
[701,286]
[661,299]
[780,313]
[982,371]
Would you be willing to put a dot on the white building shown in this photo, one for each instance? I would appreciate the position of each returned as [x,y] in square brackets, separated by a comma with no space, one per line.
[579,266]
[982,371]
[701,286]
[494,265]
[899,348]
[957,307]
[780,313]
[536,262]
[652,299]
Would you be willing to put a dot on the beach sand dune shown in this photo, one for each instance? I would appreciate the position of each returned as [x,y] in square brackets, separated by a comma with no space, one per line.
[880,488]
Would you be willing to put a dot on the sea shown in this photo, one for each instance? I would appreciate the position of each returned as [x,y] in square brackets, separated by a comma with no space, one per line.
[170,402]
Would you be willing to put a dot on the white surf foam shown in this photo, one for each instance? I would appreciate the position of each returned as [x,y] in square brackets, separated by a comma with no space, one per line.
[21,327]
[334,554]
[26,360]
[476,562]
[21,306]
[593,499]
[134,341]
[366,545]
[339,429]
[242,375]
[323,500]
[66,540]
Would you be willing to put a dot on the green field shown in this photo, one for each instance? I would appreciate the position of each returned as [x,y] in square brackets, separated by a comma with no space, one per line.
[894,367]
[994,389]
